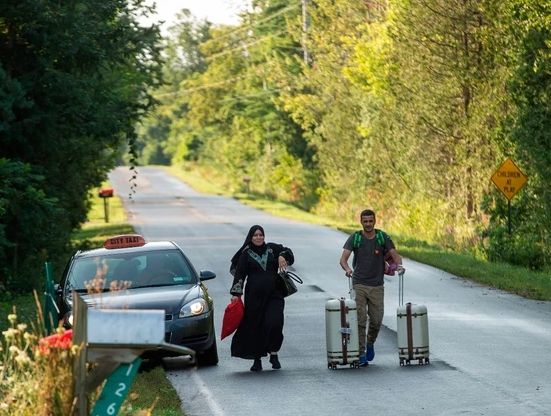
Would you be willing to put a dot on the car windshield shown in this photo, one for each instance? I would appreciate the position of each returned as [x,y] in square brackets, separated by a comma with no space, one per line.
[129,271]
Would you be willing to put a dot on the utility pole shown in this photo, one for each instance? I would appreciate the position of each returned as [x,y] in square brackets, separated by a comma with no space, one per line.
[305,30]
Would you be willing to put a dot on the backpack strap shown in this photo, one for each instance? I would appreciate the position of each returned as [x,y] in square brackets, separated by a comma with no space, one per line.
[381,237]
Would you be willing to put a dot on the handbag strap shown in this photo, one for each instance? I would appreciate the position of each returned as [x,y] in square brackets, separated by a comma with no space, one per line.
[295,277]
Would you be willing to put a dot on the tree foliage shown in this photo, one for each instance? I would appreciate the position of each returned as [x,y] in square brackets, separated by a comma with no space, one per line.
[74,78]
[404,106]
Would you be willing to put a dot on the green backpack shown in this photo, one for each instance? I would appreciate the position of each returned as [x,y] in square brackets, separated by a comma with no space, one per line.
[380,237]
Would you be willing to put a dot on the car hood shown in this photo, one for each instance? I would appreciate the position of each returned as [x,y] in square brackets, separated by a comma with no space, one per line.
[169,298]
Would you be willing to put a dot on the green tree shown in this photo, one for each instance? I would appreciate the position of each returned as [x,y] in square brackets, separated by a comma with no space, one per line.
[529,36]
[76,77]
[447,80]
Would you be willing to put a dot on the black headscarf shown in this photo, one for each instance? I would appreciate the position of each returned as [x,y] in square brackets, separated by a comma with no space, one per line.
[248,244]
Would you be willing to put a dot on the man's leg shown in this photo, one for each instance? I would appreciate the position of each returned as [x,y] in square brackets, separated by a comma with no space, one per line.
[375,311]
[361,307]
[361,303]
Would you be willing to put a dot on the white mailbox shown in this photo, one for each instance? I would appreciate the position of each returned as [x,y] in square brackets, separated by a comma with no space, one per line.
[124,326]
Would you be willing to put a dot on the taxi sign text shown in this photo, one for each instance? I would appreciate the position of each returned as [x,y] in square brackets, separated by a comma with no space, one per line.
[509,179]
[123,241]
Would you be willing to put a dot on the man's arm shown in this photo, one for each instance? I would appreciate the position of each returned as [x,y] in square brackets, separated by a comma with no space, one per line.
[396,258]
[344,262]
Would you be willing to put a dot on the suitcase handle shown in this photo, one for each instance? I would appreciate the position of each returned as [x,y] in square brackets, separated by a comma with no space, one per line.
[351,293]
[401,288]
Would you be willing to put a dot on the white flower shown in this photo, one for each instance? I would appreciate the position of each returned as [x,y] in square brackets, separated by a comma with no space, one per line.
[22,327]
[29,337]
[10,333]
[12,318]
[22,358]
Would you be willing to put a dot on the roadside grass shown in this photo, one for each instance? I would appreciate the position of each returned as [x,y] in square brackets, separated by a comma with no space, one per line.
[514,279]
[151,389]
[151,393]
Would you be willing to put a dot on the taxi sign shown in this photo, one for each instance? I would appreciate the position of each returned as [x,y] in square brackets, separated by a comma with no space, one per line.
[124,241]
[509,179]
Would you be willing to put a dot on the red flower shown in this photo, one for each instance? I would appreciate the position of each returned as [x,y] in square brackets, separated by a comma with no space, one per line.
[62,341]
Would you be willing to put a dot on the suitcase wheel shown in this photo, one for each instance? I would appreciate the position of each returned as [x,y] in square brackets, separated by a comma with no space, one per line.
[331,366]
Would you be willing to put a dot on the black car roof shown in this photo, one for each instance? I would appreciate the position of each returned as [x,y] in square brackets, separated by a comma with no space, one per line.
[147,247]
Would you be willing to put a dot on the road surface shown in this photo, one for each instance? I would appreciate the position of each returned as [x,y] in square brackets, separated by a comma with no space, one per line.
[490,350]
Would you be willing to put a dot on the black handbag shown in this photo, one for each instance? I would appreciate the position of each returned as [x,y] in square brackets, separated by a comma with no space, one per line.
[289,278]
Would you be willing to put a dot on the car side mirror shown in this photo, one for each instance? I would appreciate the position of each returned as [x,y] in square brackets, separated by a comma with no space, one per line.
[58,290]
[206,275]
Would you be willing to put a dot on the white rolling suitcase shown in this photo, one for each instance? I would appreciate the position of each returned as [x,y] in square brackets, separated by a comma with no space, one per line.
[341,331]
[412,329]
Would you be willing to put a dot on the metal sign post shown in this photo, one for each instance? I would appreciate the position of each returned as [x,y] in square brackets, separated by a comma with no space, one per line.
[51,311]
[116,389]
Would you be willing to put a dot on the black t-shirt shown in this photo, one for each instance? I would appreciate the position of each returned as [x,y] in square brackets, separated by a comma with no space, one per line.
[370,260]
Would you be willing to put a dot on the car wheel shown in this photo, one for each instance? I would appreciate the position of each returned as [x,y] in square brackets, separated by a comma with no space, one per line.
[208,357]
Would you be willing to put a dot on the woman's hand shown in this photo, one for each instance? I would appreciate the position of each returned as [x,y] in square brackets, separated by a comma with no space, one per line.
[282,263]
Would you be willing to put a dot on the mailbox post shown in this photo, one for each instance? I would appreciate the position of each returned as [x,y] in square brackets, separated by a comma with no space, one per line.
[111,340]
[105,194]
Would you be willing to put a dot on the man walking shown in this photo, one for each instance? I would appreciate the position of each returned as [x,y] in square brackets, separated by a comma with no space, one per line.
[370,247]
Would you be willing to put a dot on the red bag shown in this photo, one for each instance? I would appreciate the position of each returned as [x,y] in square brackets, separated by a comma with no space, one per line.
[232,317]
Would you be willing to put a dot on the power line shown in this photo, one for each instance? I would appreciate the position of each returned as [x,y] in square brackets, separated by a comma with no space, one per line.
[216,55]
[249,26]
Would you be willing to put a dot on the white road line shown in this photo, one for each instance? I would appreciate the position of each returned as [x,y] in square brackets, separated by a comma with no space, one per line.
[215,409]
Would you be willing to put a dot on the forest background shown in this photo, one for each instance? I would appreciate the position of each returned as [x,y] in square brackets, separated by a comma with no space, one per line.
[407,107]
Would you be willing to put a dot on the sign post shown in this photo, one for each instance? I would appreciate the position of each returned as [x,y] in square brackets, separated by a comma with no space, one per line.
[509,179]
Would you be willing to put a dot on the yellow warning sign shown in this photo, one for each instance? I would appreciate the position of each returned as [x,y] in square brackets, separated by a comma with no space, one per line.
[509,179]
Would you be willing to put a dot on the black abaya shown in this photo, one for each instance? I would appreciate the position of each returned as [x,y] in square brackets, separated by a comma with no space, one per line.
[261,330]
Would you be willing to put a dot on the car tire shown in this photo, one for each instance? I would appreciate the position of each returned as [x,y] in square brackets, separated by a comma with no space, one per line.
[208,357]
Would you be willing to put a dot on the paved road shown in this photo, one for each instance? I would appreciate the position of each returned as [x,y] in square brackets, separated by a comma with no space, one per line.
[490,351]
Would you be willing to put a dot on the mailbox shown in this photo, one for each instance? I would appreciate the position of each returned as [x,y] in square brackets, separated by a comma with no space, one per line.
[108,339]
[105,193]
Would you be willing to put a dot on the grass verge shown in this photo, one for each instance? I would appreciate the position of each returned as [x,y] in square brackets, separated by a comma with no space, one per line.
[514,279]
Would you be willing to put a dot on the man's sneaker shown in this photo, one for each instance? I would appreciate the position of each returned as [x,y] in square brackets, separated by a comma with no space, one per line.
[369,352]
[363,360]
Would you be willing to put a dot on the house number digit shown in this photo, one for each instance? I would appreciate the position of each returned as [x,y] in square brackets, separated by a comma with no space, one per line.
[121,389]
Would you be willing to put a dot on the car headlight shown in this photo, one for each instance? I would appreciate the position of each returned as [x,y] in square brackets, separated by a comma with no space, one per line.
[194,308]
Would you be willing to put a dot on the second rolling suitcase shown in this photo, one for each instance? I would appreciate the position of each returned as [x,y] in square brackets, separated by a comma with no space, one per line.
[412,329]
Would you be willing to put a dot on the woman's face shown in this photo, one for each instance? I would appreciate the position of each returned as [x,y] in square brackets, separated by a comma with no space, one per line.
[258,238]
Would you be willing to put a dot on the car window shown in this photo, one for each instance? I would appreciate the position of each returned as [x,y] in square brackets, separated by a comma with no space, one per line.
[130,270]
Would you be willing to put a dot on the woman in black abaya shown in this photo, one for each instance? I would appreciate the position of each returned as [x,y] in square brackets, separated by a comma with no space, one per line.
[255,266]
